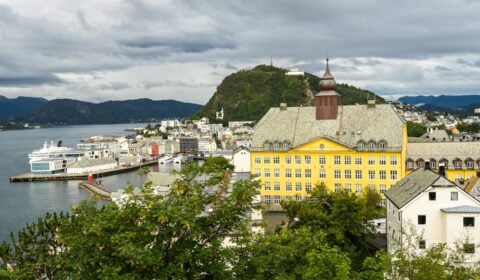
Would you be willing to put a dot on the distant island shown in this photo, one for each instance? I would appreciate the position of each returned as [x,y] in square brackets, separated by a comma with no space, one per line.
[68,111]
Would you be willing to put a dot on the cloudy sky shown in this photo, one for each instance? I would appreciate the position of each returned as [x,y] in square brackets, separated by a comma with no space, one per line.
[97,50]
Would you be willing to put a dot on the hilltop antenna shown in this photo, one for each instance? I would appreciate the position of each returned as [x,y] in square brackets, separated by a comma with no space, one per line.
[271,61]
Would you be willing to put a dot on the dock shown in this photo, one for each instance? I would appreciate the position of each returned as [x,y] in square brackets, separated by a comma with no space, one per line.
[96,188]
[30,177]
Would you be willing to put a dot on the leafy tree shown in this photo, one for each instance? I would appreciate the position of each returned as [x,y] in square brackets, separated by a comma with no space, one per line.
[176,236]
[301,253]
[415,129]
[341,216]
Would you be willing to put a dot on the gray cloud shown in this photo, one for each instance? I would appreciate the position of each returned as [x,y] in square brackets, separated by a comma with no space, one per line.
[187,47]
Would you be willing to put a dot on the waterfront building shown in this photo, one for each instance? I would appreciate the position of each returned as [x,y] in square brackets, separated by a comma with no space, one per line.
[91,165]
[188,145]
[207,145]
[241,159]
[425,209]
[353,148]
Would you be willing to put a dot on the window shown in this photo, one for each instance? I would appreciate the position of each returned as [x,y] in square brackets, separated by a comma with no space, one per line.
[468,221]
[360,146]
[288,159]
[470,164]
[298,159]
[258,172]
[422,219]
[348,160]
[382,160]
[321,160]
[371,188]
[348,174]
[288,173]
[469,248]
[276,160]
[338,187]
[383,202]
[266,160]
[383,188]
[267,186]
[308,159]
[276,172]
[432,196]
[276,199]
[358,160]
[371,174]
[371,146]
[298,173]
[457,164]
[322,174]
[298,197]
[336,160]
[257,159]
[358,188]
[308,187]
[409,164]
[433,164]
[267,199]
[288,186]
[393,174]
[266,173]
[308,173]
[420,163]
[337,174]
[348,187]
[298,186]
[382,174]
[393,160]
[381,146]
[358,174]
[422,244]
[454,196]
[371,160]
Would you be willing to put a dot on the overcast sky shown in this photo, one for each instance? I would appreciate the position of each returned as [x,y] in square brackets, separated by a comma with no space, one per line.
[98,50]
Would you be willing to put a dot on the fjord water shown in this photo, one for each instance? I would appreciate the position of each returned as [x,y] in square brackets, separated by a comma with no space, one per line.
[22,203]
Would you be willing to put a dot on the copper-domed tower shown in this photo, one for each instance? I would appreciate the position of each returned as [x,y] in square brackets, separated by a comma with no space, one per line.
[327,100]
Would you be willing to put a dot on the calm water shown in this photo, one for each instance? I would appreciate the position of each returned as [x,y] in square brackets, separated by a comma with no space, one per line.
[22,203]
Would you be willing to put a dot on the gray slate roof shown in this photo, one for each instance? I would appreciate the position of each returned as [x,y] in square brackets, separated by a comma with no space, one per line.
[298,126]
[448,150]
[462,209]
[413,185]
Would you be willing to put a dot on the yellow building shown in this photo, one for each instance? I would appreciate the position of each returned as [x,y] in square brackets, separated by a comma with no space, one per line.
[352,147]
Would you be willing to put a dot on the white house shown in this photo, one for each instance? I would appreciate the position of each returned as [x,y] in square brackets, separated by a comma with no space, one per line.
[91,165]
[241,160]
[436,210]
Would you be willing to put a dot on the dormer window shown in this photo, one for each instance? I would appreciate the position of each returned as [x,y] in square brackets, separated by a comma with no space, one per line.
[371,145]
[457,163]
[360,145]
[382,145]
[443,162]
[276,146]
[469,163]
[285,145]
[409,163]
[433,163]
[420,163]
[266,145]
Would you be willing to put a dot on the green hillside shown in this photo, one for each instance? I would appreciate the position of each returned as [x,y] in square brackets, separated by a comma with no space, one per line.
[248,94]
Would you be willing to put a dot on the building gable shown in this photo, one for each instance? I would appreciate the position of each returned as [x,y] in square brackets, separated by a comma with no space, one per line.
[322,144]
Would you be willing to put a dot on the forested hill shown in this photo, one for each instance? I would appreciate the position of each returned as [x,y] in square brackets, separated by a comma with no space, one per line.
[68,111]
[248,94]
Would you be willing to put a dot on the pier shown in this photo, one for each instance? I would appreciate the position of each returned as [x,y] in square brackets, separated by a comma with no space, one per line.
[30,177]
[96,188]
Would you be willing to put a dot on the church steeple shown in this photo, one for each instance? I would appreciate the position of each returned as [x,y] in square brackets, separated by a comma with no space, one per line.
[327,100]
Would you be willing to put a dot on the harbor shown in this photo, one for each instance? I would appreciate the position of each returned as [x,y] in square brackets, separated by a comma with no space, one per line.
[30,177]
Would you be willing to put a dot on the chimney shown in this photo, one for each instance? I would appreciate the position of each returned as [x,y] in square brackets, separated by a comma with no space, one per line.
[283,106]
[371,103]
[441,169]
[427,165]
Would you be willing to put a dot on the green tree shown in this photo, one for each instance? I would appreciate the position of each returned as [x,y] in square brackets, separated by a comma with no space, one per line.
[301,253]
[415,129]
[176,236]
[343,218]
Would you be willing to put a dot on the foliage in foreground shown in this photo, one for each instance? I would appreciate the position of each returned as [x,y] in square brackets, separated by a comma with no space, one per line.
[181,236]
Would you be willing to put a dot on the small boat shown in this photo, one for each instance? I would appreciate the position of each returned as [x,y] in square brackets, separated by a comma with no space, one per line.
[165,159]
[178,159]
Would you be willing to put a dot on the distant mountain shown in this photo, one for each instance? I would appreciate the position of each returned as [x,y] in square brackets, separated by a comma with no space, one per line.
[447,101]
[20,106]
[248,94]
[68,111]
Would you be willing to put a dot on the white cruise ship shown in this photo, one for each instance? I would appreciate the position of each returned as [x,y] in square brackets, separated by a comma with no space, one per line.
[165,159]
[51,159]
